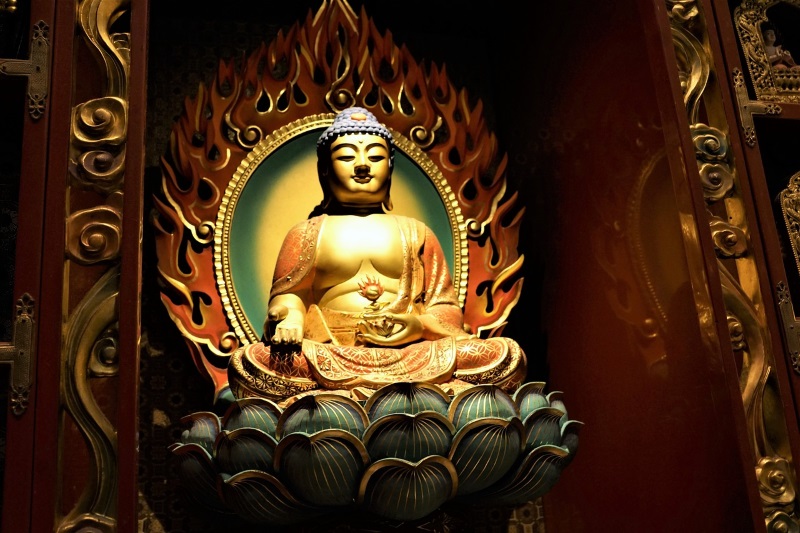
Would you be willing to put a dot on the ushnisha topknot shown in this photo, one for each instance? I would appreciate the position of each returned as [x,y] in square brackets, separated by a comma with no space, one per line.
[354,120]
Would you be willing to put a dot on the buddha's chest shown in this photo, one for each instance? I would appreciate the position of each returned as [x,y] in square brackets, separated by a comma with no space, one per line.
[348,243]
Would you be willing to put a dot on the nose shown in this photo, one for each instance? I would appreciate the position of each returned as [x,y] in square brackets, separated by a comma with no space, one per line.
[362,163]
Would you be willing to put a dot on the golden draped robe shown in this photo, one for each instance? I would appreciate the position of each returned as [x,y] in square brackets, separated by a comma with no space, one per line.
[331,360]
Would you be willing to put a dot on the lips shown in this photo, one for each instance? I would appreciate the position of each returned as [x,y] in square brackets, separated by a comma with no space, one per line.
[362,179]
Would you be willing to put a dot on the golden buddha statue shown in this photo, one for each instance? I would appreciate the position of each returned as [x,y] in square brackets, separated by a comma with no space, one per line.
[362,298]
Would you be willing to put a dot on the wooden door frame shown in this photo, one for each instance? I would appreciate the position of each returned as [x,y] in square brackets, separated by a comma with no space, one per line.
[20,440]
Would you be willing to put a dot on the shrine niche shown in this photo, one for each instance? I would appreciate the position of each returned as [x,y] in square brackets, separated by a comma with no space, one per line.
[770,40]
[240,173]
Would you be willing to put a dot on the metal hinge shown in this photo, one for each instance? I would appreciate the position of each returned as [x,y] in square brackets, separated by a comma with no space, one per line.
[36,69]
[18,354]
[748,108]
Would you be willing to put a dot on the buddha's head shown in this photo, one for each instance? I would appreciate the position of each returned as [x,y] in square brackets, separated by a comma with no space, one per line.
[355,158]
[769,33]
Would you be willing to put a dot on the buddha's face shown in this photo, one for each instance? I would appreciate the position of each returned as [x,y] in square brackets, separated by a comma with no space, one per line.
[361,169]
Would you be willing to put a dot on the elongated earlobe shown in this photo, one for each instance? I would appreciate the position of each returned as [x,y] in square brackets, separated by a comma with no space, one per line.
[387,200]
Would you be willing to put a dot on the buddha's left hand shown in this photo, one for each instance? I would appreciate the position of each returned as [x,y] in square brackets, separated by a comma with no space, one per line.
[390,329]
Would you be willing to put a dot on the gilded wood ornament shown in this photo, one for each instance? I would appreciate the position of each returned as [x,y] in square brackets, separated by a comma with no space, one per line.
[770,81]
[790,207]
[91,349]
[790,324]
[93,235]
[333,60]
[9,6]
[98,129]
[740,285]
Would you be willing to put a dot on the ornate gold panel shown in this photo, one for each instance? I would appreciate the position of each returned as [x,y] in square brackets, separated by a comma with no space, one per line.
[772,83]
[790,207]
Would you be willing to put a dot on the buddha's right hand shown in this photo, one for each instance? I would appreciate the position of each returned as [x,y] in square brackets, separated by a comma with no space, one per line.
[281,328]
[288,333]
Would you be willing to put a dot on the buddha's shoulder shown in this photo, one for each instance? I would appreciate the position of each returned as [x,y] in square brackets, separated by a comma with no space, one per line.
[305,228]
[309,223]
[404,222]
[410,223]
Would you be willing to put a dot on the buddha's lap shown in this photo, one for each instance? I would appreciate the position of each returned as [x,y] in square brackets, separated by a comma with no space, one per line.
[265,370]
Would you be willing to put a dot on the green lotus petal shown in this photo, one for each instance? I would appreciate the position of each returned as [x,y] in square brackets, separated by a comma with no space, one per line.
[484,450]
[543,426]
[402,490]
[536,475]
[258,413]
[409,437]
[244,449]
[261,498]
[323,468]
[203,430]
[197,474]
[481,401]
[409,398]
[530,396]
[312,414]
[569,438]
[555,401]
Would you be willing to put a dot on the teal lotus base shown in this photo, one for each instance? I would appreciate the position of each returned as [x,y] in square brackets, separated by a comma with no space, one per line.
[400,455]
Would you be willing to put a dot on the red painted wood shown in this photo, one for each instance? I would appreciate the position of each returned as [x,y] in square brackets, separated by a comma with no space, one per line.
[131,275]
[46,472]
